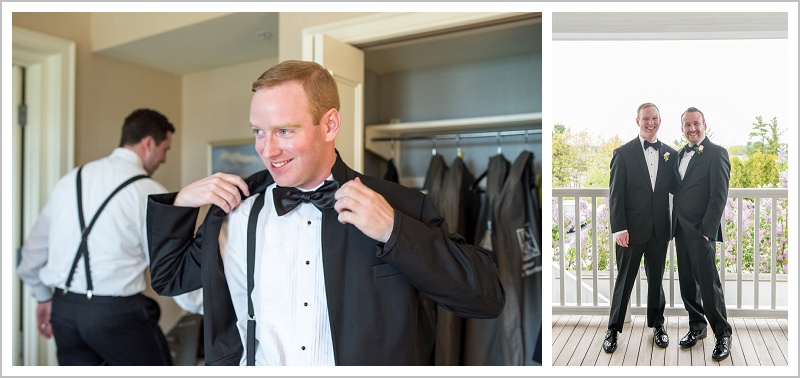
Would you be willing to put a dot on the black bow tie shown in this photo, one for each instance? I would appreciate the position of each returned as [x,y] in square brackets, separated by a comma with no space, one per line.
[287,198]
[656,145]
[687,148]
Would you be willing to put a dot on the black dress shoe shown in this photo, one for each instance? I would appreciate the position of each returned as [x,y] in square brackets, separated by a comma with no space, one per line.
[723,348]
[610,343]
[660,337]
[691,338]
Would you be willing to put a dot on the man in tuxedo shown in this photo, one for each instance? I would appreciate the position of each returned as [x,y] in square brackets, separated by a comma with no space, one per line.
[640,183]
[309,262]
[702,173]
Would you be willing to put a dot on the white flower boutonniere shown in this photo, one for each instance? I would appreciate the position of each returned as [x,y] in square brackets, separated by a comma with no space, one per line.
[666,156]
[698,149]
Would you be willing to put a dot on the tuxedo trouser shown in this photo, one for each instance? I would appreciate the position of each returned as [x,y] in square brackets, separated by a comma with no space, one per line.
[104,330]
[701,288]
[628,262]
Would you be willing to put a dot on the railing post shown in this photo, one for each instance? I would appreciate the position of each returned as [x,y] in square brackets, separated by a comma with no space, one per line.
[747,301]
[578,232]
[774,265]
[739,252]
[561,268]
[595,253]
[756,248]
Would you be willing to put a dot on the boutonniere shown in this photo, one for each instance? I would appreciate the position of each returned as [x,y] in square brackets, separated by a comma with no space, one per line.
[698,149]
[666,156]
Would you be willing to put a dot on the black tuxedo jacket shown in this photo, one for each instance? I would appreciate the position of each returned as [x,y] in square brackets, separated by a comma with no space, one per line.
[634,204]
[700,197]
[373,289]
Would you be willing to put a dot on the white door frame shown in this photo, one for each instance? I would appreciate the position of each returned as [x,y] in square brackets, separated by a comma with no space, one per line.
[388,26]
[48,155]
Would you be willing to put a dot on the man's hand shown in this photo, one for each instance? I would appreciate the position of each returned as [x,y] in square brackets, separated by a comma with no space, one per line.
[366,209]
[221,189]
[43,319]
[622,239]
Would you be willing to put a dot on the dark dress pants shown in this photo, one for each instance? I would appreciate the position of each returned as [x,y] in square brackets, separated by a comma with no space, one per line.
[120,331]
[701,288]
[628,262]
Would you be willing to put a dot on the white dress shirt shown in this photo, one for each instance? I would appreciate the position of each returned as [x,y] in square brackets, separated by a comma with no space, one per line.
[118,254]
[289,300]
[651,159]
[687,157]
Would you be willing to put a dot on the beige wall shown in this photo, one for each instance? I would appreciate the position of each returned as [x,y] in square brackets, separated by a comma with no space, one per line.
[107,90]
[216,107]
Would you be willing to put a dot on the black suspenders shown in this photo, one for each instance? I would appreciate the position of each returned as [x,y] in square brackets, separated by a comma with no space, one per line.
[251,262]
[83,249]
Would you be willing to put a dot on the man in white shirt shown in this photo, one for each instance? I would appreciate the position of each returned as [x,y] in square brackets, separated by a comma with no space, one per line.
[309,262]
[702,174]
[85,263]
[639,187]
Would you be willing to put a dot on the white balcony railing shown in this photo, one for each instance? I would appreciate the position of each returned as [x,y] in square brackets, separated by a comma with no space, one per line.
[751,261]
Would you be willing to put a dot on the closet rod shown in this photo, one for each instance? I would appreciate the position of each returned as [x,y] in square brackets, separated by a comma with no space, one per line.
[493,134]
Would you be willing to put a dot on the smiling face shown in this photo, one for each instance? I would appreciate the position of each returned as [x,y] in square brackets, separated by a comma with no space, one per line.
[297,150]
[693,126]
[649,120]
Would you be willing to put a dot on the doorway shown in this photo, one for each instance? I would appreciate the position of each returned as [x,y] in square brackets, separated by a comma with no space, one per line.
[44,70]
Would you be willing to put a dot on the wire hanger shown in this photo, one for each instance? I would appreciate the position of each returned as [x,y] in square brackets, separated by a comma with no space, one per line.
[499,147]
[459,152]
[433,150]
[527,146]
[391,153]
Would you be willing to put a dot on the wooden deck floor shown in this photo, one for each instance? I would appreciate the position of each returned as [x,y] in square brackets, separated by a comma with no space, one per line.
[755,342]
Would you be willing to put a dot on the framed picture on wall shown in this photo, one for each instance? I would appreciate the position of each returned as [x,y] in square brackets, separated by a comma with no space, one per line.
[237,156]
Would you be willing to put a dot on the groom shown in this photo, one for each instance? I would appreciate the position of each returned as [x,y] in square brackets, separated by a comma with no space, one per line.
[702,175]
[641,180]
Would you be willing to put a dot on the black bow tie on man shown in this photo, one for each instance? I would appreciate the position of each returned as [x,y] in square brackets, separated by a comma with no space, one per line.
[687,148]
[287,198]
[656,145]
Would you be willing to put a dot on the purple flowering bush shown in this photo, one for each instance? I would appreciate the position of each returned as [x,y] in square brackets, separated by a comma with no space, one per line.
[730,219]
[748,255]
[584,219]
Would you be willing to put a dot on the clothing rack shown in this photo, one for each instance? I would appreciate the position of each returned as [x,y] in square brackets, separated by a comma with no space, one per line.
[462,128]
[465,135]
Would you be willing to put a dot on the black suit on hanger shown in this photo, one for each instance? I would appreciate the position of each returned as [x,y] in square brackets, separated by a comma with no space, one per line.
[513,337]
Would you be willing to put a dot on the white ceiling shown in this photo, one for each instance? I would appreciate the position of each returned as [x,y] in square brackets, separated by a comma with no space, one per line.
[668,25]
[235,39]
[224,41]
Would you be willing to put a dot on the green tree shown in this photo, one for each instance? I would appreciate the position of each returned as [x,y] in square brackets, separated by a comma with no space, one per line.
[737,173]
[563,155]
[758,170]
[758,164]
[765,137]
[736,151]
[597,174]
